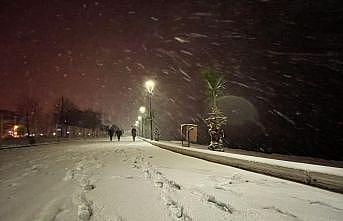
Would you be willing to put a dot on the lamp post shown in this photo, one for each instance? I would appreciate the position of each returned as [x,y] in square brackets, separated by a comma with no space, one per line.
[139,129]
[149,85]
[142,111]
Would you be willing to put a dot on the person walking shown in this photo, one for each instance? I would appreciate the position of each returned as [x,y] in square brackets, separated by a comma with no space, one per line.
[133,133]
[111,132]
[119,132]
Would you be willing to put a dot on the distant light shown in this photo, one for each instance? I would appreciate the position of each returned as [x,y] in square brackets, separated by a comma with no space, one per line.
[89,134]
[58,129]
[150,86]
[41,134]
[142,109]
[139,118]
[79,133]
[14,133]
[68,132]
[54,134]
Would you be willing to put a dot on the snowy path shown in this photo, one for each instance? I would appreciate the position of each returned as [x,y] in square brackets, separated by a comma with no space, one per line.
[137,181]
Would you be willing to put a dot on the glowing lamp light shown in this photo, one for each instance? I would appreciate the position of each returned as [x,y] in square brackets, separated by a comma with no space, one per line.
[142,109]
[139,118]
[149,85]
[15,131]
[54,134]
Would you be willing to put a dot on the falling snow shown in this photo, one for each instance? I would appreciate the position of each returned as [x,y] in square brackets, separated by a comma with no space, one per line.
[181,40]
[279,60]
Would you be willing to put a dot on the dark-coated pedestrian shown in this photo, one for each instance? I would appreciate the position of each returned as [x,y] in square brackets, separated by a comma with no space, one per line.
[119,132]
[134,133]
[111,132]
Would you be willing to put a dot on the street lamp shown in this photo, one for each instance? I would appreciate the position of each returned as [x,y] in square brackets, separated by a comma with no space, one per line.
[149,85]
[142,111]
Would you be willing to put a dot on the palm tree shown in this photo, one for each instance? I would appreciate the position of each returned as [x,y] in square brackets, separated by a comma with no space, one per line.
[216,120]
[215,86]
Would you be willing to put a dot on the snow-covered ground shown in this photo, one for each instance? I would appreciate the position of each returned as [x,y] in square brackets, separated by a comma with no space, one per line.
[99,180]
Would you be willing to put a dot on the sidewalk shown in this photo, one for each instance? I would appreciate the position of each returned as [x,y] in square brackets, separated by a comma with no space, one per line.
[291,158]
[326,177]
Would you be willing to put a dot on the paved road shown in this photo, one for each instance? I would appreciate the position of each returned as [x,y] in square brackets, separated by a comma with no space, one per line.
[101,180]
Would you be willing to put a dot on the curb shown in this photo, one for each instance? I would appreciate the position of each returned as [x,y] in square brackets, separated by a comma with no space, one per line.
[36,144]
[331,179]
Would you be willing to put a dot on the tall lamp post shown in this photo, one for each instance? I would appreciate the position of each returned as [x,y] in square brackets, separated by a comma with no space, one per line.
[142,111]
[149,85]
[141,127]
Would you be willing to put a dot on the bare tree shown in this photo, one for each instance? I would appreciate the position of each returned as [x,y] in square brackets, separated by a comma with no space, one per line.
[66,113]
[29,109]
[63,110]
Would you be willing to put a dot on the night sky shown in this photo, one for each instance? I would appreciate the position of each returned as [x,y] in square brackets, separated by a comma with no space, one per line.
[282,61]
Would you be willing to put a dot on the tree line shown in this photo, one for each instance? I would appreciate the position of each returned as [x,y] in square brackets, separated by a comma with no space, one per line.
[63,114]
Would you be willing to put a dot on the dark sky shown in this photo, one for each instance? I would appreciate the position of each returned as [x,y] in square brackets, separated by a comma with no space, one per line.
[96,53]
[283,58]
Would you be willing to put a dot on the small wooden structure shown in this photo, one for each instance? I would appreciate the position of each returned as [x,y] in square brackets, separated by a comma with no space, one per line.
[189,133]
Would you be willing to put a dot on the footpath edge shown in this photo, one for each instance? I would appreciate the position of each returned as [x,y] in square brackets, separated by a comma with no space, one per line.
[329,181]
